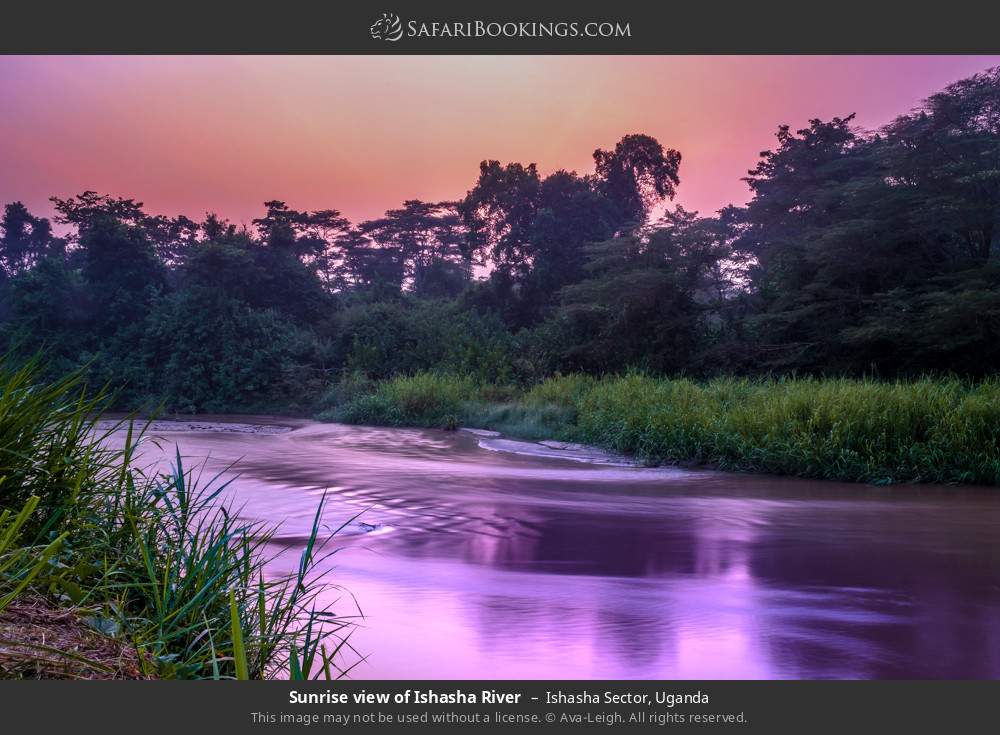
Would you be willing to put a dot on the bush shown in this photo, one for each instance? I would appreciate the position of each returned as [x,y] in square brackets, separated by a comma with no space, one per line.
[383,340]
[202,352]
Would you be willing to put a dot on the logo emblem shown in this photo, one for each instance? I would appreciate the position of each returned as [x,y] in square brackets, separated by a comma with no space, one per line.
[387,28]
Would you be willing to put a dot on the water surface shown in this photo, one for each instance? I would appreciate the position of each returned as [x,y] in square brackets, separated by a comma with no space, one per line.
[487,563]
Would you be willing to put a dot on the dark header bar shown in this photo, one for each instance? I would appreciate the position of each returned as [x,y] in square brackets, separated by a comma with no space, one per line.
[510,27]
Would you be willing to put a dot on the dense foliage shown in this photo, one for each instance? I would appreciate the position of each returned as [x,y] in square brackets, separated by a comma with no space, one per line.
[860,253]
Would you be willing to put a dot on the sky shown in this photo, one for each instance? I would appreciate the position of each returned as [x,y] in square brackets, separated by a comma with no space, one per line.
[191,134]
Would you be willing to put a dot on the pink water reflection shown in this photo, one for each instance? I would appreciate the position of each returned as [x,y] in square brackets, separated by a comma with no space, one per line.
[494,565]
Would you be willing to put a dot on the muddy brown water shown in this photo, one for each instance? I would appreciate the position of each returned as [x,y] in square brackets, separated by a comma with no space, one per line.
[475,558]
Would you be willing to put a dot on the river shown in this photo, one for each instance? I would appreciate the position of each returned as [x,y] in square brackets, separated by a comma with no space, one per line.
[470,560]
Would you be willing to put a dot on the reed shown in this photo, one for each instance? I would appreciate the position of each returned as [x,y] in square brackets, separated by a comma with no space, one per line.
[158,563]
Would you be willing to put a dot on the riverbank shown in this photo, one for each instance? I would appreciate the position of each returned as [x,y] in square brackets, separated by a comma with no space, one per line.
[921,431]
[107,571]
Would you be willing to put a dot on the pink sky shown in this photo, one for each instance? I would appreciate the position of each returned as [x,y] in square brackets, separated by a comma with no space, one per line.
[361,134]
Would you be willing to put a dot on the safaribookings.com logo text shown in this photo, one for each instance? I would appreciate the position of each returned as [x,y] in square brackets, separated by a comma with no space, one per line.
[390,28]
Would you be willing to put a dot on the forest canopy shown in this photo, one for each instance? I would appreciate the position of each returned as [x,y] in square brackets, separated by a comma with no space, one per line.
[860,252]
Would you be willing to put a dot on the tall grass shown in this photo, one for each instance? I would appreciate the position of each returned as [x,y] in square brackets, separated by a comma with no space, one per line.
[425,399]
[930,430]
[158,562]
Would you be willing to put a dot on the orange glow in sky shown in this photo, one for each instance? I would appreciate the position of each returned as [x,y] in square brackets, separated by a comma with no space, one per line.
[189,134]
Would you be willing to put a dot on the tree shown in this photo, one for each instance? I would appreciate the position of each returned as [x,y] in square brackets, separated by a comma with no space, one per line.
[25,239]
[121,270]
[533,230]
[949,323]
[818,246]
[261,273]
[426,240]
[499,212]
[204,351]
[377,271]
[636,175]
[570,214]
[849,227]
[312,237]
[47,308]
[948,154]
[649,299]
[409,335]
[89,208]
[172,237]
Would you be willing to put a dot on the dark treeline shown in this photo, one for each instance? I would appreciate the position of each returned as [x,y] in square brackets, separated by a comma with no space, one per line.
[861,252]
